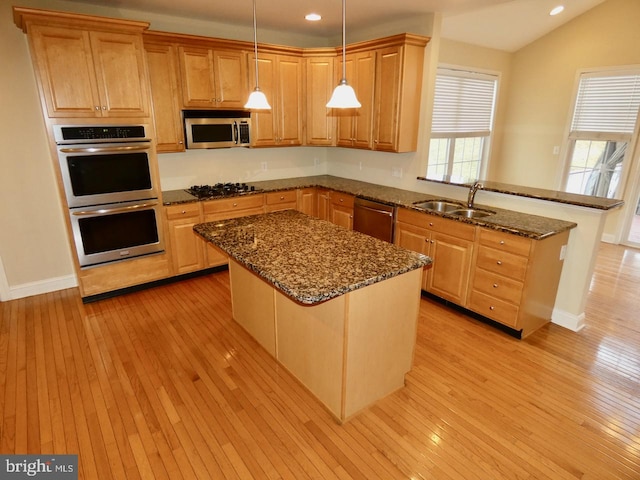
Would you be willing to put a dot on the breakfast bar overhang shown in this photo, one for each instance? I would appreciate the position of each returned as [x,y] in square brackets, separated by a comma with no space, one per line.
[338,309]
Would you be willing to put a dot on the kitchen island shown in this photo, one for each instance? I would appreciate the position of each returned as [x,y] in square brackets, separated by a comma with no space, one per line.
[337,308]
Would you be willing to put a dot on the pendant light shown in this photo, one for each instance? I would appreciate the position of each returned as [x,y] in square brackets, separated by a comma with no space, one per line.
[257,100]
[344,96]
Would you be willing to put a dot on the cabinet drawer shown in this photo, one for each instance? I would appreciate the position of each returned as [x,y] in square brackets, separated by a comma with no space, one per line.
[435,223]
[235,203]
[503,263]
[342,199]
[277,198]
[493,308]
[183,210]
[497,286]
[505,242]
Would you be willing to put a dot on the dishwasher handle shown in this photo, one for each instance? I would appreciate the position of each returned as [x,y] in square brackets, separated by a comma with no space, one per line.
[376,210]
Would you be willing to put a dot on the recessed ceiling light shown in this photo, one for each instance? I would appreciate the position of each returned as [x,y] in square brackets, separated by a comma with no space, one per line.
[312,17]
[556,10]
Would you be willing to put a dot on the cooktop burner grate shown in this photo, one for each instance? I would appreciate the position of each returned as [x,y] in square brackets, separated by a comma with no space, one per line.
[220,190]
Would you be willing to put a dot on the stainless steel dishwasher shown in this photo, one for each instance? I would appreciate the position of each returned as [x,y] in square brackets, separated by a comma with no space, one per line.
[374,218]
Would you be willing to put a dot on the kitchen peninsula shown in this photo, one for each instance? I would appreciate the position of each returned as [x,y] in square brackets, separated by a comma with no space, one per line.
[337,308]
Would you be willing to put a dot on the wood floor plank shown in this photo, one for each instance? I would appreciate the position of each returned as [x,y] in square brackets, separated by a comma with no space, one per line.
[162,383]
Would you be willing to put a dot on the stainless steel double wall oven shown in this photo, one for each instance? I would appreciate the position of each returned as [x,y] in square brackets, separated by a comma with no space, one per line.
[113,202]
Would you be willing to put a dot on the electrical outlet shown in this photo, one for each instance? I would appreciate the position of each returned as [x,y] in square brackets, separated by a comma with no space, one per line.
[360,165]
[563,252]
[556,150]
[263,166]
[396,172]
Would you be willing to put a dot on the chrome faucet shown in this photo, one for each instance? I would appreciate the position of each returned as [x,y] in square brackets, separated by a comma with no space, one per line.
[472,193]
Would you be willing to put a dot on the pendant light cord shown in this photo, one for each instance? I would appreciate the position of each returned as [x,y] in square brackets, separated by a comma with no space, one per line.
[255,40]
[344,20]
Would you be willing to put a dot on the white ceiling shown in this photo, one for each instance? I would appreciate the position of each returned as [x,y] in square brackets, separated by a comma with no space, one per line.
[503,24]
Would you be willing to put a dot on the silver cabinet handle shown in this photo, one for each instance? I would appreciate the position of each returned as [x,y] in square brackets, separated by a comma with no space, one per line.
[121,148]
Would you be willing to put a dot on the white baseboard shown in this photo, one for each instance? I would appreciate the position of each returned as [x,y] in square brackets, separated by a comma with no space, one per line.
[609,238]
[43,286]
[568,320]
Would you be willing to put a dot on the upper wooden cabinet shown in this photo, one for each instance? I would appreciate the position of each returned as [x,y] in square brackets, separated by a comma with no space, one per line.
[386,75]
[162,60]
[84,73]
[319,84]
[213,78]
[280,78]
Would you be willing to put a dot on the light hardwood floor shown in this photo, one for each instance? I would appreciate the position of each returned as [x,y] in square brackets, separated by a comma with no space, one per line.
[163,384]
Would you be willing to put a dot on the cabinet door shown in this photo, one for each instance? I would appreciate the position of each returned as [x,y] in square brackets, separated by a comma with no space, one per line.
[320,81]
[163,75]
[187,248]
[387,99]
[324,205]
[414,239]
[307,201]
[230,79]
[64,65]
[289,106]
[355,125]
[196,68]
[449,276]
[264,124]
[341,215]
[121,73]
[364,86]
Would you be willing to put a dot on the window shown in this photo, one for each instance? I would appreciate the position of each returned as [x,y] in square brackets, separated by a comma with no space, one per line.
[603,124]
[463,112]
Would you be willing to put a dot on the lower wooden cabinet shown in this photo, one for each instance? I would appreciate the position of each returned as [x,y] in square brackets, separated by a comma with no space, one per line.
[515,279]
[448,243]
[307,201]
[341,209]
[187,248]
[323,203]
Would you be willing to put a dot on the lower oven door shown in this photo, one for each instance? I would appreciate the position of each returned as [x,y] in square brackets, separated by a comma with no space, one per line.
[109,233]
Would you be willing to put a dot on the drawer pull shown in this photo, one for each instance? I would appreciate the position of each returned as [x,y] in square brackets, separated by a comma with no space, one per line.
[501,242]
[431,224]
[495,285]
[281,197]
[235,204]
[184,211]
[492,307]
[499,262]
[341,200]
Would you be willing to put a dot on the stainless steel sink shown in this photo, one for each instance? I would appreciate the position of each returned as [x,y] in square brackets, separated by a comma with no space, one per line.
[471,212]
[438,206]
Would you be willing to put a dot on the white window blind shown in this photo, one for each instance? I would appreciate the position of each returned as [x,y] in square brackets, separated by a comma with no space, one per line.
[463,104]
[607,104]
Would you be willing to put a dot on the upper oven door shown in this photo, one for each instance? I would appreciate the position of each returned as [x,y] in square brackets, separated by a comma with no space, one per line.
[95,174]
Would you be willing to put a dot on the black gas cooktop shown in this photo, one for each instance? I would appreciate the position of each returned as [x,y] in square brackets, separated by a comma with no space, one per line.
[220,190]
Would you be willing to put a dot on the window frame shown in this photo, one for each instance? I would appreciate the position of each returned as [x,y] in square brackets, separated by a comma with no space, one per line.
[570,138]
[472,72]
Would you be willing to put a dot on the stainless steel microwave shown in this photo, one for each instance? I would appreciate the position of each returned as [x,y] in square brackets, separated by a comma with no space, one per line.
[217,129]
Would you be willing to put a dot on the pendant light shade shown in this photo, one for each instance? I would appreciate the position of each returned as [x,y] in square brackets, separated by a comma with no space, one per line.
[257,99]
[344,96]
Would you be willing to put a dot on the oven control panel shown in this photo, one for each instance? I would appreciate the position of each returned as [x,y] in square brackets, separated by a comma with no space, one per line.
[66,134]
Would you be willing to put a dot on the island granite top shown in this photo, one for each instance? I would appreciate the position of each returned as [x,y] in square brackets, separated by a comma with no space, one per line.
[517,223]
[308,259]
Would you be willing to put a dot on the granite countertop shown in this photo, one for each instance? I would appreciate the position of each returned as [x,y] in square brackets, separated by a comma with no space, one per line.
[517,223]
[308,259]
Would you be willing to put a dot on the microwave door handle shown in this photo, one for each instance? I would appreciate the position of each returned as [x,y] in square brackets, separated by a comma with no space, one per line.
[235,132]
[123,148]
[105,211]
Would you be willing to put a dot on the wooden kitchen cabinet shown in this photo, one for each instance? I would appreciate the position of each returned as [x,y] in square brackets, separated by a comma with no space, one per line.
[323,203]
[187,248]
[280,78]
[284,200]
[162,61]
[386,75]
[341,209]
[515,279]
[213,78]
[84,73]
[355,125]
[307,201]
[449,243]
[320,128]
